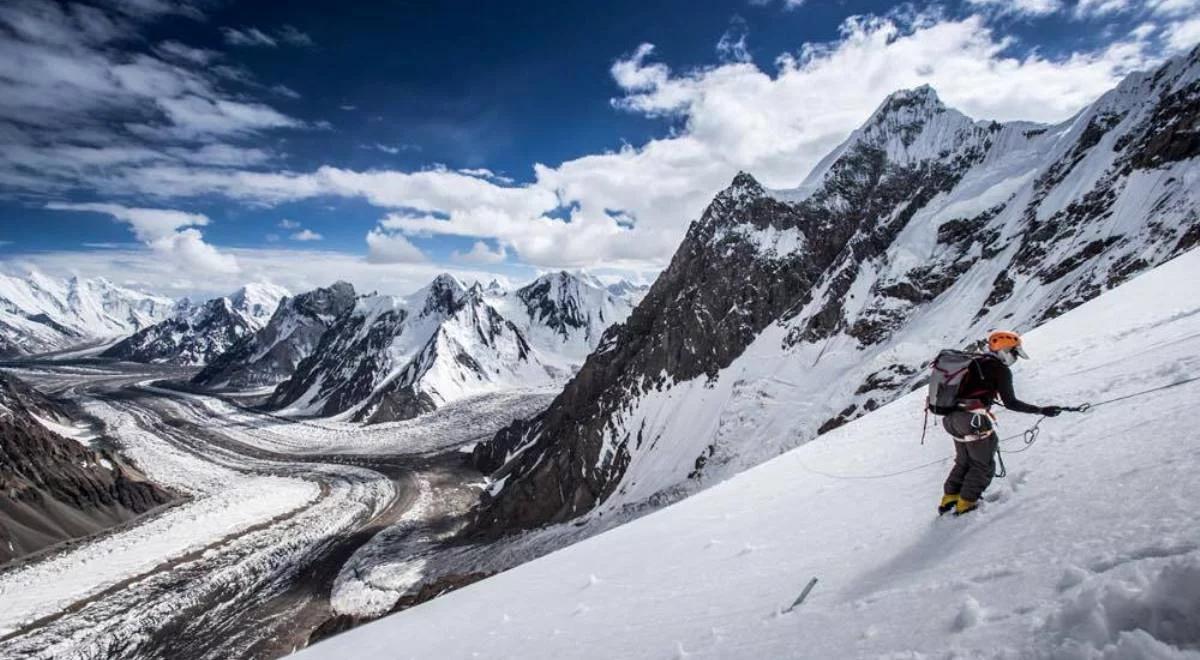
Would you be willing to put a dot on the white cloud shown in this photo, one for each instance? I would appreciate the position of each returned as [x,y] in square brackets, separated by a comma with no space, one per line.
[290,35]
[167,232]
[76,84]
[732,45]
[307,235]
[296,269]
[481,254]
[254,37]
[1183,35]
[786,4]
[1018,7]
[385,247]
[629,208]
[288,224]
[248,36]
[180,51]
[1174,7]
[1095,8]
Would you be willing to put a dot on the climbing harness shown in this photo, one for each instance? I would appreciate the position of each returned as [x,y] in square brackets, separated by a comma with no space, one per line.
[1029,436]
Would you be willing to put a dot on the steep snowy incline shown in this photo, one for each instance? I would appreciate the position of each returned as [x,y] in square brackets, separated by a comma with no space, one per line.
[923,228]
[197,334]
[40,314]
[1088,549]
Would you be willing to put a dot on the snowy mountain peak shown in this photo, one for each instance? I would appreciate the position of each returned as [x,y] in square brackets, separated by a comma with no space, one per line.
[443,295]
[915,102]
[258,300]
[39,313]
[923,229]
[271,354]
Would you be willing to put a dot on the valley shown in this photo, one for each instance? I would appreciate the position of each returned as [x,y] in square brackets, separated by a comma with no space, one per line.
[243,564]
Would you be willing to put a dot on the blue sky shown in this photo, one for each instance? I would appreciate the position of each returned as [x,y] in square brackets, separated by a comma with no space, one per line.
[189,146]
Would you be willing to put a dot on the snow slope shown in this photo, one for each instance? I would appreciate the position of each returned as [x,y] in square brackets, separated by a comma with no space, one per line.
[39,313]
[924,228]
[1089,549]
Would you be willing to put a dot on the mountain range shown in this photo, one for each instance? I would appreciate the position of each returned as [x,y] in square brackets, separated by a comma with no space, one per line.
[393,358]
[924,229]
[197,333]
[39,314]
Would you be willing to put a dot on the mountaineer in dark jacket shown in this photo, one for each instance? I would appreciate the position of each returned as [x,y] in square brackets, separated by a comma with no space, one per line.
[974,427]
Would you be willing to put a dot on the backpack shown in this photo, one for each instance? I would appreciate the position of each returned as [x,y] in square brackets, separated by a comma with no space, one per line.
[946,376]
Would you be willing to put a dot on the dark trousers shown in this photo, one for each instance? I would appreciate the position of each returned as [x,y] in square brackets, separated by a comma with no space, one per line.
[974,461]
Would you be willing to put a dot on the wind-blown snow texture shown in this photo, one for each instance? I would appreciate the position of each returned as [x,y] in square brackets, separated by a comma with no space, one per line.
[396,358]
[39,314]
[925,228]
[1087,550]
[194,335]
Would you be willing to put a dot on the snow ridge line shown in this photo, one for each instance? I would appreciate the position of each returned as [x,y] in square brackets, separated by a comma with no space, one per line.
[1023,434]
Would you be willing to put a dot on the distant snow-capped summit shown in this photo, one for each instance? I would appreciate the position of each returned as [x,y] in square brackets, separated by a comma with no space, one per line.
[40,313]
[271,354]
[197,333]
[395,358]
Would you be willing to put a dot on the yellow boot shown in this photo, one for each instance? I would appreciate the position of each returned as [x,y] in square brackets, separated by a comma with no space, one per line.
[948,503]
[965,506]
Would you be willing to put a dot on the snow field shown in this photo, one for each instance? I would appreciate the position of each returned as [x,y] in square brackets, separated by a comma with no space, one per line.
[1089,549]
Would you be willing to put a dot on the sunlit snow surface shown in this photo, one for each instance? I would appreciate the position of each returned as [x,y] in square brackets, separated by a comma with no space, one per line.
[1090,548]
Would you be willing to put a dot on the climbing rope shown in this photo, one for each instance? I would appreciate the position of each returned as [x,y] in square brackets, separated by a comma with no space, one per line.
[1029,436]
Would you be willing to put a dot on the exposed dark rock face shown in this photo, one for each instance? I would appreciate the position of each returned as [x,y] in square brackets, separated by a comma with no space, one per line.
[52,488]
[272,354]
[354,349]
[854,280]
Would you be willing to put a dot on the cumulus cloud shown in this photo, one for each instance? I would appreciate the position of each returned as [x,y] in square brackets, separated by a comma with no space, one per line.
[166,231]
[630,207]
[288,224]
[384,247]
[307,235]
[481,254]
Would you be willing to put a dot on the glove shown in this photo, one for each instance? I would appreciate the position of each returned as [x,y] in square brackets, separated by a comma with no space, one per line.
[1052,411]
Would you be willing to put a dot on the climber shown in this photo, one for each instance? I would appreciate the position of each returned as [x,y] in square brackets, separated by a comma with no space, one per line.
[963,387]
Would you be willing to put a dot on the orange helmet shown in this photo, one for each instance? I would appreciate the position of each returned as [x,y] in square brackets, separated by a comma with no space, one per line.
[1003,340]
